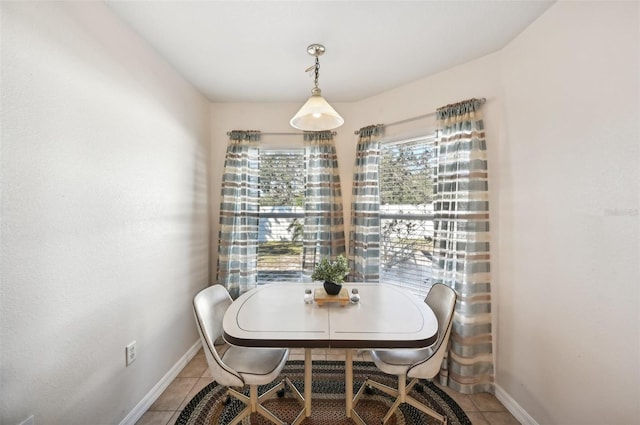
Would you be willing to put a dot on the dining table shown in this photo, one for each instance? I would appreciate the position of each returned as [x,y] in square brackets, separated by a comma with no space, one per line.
[276,315]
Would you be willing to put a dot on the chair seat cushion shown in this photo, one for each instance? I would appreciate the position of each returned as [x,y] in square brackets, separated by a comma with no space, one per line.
[398,361]
[257,366]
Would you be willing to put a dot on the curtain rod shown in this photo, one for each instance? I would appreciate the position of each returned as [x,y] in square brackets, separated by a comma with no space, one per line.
[333,133]
[419,117]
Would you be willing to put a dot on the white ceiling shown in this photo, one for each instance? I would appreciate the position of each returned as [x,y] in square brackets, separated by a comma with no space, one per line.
[256,51]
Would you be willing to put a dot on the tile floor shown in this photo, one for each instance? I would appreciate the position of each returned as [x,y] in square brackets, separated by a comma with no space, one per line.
[482,409]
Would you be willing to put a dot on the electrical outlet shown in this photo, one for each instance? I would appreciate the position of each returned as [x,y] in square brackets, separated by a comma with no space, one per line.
[131,352]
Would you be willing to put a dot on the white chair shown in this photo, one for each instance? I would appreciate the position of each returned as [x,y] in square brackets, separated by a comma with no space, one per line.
[238,366]
[417,364]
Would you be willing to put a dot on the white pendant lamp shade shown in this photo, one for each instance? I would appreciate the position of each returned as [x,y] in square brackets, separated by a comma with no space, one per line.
[316,115]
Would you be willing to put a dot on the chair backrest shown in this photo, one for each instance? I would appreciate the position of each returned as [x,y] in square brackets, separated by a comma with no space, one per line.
[209,306]
[442,300]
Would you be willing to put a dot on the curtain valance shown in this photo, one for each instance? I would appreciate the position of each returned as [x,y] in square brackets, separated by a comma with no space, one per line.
[313,136]
[459,109]
[371,130]
[250,135]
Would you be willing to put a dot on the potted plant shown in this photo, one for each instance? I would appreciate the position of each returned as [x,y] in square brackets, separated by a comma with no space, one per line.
[332,273]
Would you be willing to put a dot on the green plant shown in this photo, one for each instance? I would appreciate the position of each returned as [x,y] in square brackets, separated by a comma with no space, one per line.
[331,271]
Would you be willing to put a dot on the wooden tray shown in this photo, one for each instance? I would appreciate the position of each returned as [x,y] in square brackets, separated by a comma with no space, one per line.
[321,297]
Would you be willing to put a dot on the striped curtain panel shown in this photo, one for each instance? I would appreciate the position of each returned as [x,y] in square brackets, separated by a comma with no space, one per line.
[461,244]
[323,212]
[238,239]
[364,235]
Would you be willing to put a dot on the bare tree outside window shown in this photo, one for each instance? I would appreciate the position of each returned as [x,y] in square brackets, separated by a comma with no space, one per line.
[406,213]
[282,191]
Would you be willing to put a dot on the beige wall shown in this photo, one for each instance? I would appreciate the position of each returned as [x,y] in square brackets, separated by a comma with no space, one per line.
[569,271]
[105,214]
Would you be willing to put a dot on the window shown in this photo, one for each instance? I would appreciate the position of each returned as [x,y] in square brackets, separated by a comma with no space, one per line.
[281,215]
[406,213]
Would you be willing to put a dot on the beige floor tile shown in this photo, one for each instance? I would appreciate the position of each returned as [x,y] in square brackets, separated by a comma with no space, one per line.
[476,418]
[463,400]
[156,418]
[174,418]
[500,418]
[195,368]
[174,395]
[487,402]
[200,384]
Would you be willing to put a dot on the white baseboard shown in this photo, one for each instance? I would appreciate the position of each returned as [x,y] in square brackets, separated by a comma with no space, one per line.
[512,406]
[162,385]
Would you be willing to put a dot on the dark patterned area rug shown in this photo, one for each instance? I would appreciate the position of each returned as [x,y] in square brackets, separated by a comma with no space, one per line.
[328,404]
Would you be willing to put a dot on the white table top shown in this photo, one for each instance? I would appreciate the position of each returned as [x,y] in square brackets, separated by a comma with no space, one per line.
[275,315]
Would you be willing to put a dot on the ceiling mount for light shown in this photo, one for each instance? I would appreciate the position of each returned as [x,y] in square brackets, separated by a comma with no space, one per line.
[316,114]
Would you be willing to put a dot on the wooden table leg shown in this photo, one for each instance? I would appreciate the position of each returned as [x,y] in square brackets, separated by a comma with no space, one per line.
[307,381]
[348,360]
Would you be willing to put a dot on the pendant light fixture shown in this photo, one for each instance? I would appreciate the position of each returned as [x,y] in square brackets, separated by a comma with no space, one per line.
[316,114]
